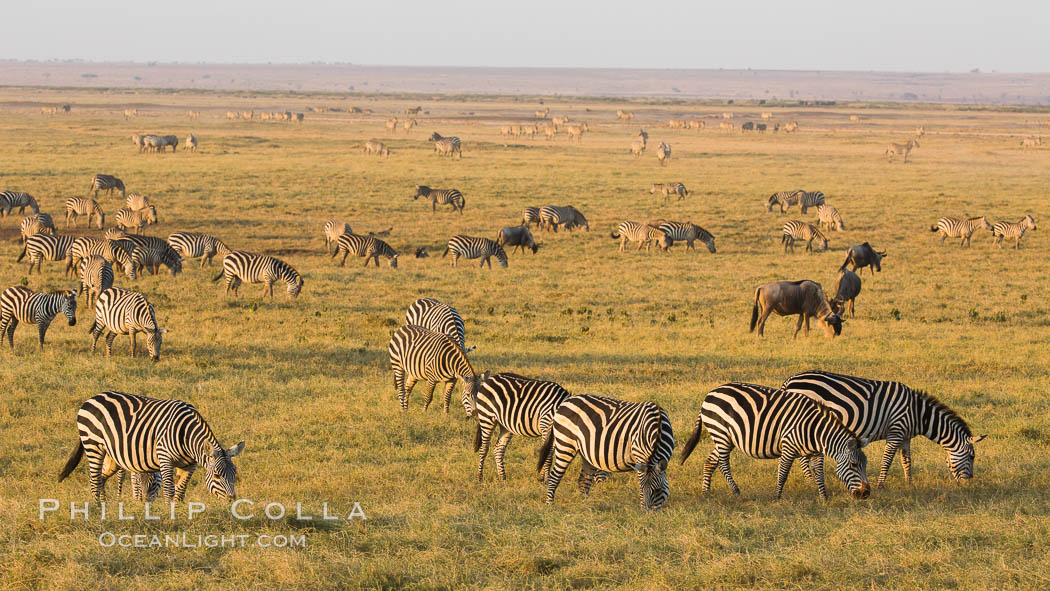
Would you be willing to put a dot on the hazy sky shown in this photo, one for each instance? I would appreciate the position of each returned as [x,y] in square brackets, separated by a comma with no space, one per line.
[920,35]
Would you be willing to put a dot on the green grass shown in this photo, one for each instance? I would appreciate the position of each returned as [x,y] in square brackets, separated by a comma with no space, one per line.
[307,382]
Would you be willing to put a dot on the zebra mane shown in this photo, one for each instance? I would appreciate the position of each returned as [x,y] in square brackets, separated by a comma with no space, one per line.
[942,408]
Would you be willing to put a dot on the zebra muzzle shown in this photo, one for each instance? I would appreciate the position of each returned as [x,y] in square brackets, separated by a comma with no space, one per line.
[862,491]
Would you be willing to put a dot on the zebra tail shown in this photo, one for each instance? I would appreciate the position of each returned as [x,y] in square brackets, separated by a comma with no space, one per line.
[614,235]
[444,253]
[545,450]
[477,438]
[219,276]
[754,313]
[23,255]
[691,444]
[933,228]
[74,460]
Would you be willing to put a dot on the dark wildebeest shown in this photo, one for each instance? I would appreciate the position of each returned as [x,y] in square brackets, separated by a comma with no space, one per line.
[846,291]
[749,126]
[517,236]
[421,252]
[864,256]
[760,127]
[787,298]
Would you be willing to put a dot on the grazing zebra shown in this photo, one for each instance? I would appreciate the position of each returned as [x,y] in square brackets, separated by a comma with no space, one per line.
[147,435]
[418,354]
[530,130]
[791,127]
[129,113]
[643,234]
[676,124]
[437,197]
[231,115]
[799,230]
[726,126]
[369,247]
[767,423]
[391,124]
[624,115]
[136,201]
[247,115]
[611,436]
[1012,230]
[473,247]
[669,189]
[894,149]
[576,131]
[950,227]
[107,182]
[96,276]
[77,206]
[191,142]
[686,231]
[439,317]
[530,215]
[828,217]
[136,219]
[50,247]
[249,267]
[333,229]
[638,145]
[122,311]
[447,145]
[20,199]
[543,114]
[377,148]
[21,304]
[508,405]
[550,130]
[151,252]
[875,409]
[40,223]
[784,199]
[118,251]
[663,153]
[552,216]
[190,245]
[807,199]
[695,124]
[139,140]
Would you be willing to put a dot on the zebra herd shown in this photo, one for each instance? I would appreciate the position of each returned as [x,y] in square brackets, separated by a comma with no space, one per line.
[963,229]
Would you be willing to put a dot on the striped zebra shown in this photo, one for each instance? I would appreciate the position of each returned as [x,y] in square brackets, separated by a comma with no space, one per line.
[96,276]
[473,247]
[190,245]
[508,405]
[135,219]
[50,247]
[333,229]
[639,144]
[530,215]
[611,436]
[643,234]
[78,206]
[767,423]
[829,217]
[114,251]
[624,115]
[447,146]
[950,227]
[369,247]
[249,267]
[893,149]
[20,199]
[191,142]
[669,189]
[663,153]
[147,435]
[440,317]
[807,199]
[137,201]
[875,409]
[107,182]
[122,311]
[783,199]
[150,252]
[377,148]
[552,216]
[685,231]
[1013,230]
[798,230]
[21,304]
[421,355]
[144,486]
[441,197]
[40,223]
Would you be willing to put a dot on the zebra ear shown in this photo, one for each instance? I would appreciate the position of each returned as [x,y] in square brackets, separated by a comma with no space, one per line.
[973,440]
[235,450]
[864,441]
[162,331]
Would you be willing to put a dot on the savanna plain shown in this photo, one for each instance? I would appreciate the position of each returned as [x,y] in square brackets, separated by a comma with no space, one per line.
[307,382]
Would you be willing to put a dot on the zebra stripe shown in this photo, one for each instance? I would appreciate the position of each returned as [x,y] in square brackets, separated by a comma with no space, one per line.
[333,229]
[767,423]
[96,276]
[473,247]
[191,245]
[669,189]
[903,149]
[509,404]
[783,199]
[643,234]
[441,197]
[530,215]
[686,231]
[136,201]
[118,251]
[369,247]
[249,267]
[875,409]
[950,227]
[439,317]
[1012,230]
[447,146]
[552,216]
[77,206]
[611,436]
[40,223]
[107,182]
[799,230]
[51,247]
[418,354]
[809,199]
[21,304]
[145,435]
[122,311]
[135,219]
[663,153]
[828,217]
[151,252]
[20,199]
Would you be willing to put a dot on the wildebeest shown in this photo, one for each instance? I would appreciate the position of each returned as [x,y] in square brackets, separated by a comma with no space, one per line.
[421,252]
[787,298]
[760,126]
[847,288]
[864,256]
[747,126]
[517,236]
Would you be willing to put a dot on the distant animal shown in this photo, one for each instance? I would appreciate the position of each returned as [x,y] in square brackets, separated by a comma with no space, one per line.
[638,145]
[78,206]
[726,126]
[447,146]
[139,140]
[333,229]
[920,131]
[727,115]
[114,251]
[864,256]
[747,126]
[377,148]
[408,124]
[576,132]
[9,200]
[695,124]
[624,115]
[49,110]
[895,149]
[137,219]
[687,232]
[247,115]
[828,217]
[39,223]
[21,304]
[567,216]
[435,315]
[847,288]
[158,143]
[249,267]
[299,117]
[788,298]
[129,113]
[530,215]
[421,252]
[414,111]
[550,130]
[663,153]
[760,127]
[791,127]
[231,115]
[669,189]
[518,237]
[854,118]
[807,199]
[122,311]
[644,234]
[194,115]
[369,247]
[450,197]
[473,247]
[391,124]
[1013,230]
[563,120]
[107,182]
[96,276]
[51,247]
[950,227]
[767,115]
[150,253]
[530,130]
[798,230]
[1031,142]
[543,114]
[191,245]
[191,142]
[676,124]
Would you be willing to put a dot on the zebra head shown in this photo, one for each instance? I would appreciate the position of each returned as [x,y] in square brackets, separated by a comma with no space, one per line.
[153,340]
[984,223]
[470,392]
[960,458]
[393,262]
[220,473]
[421,191]
[1028,221]
[69,305]
[151,215]
[501,255]
[851,466]
[101,220]
[710,242]
[295,287]
[654,436]
[773,200]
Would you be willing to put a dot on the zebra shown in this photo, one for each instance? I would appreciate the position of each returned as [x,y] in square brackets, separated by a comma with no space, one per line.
[686,231]
[625,115]
[145,486]
[669,189]
[643,234]
[611,436]
[129,113]
[807,199]
[151,252]
[146,435]
[96,276]
[440,317]
[447,145]
[829,217]
[509,404]
[136,219]
[136,201]
[377,148]
[107,182]
[576,131]
[638,145]
[190,245]
[530,215]
[369,247]
[51,247]
[767,423]
[118,251]
[950,227]
[663,153]
[20,199]
[21,304]
[784,199]
[333,229]
[473,247]
[40,223]
[875,409]
[1013,230]
[552,216]
[251,267]
[191,142]
[139,140]
[77,206]
[441,197]
[903,149]
[799,230]
[122,311]
[418,354]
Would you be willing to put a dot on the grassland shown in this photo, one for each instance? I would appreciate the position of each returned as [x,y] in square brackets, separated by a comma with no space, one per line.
[307,382]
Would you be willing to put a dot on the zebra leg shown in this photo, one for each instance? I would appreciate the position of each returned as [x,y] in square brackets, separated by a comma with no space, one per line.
[893,442]
[906,460]
[807,472]
[167,478]
[448,393]
[41,326]
[586,479]
[818,476]
[501,448]
[96,331]
[131,334]
[562,458]
[722,461]
[96,482]
[399,387]
[428,396]
[109,343]
[783,469]
[12,323]
[183,481]
[485,437]
[268,288]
